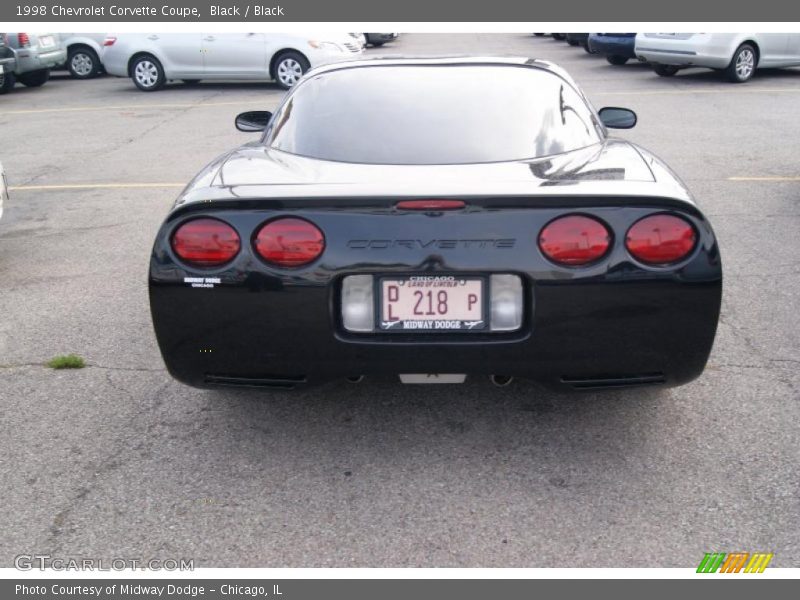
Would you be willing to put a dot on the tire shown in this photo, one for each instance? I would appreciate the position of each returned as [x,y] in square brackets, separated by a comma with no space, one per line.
[190,81]
[147,73]
[539,34]
[7,81]
[665,70]
[378,44]
[616,59]
[559,36]
[743,64]
[573,42]
[589,50]
[288,69]
[34,78]
[83,63]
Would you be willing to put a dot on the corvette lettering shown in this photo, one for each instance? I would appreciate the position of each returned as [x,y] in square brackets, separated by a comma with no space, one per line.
[431,244]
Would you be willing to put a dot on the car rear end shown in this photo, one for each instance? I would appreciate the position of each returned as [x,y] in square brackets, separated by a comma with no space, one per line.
[7,60]
[580,294]
[613,44]
[37,51]
[712,50]
[431,248]
[117,50]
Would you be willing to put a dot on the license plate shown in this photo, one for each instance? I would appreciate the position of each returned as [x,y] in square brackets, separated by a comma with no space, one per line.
[47,41]
[426,303]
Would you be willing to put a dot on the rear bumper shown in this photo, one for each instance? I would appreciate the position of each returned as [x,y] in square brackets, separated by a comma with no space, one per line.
[115,62]
[31,60]
[613,45]
[381,37]
[700,50]
[609,325]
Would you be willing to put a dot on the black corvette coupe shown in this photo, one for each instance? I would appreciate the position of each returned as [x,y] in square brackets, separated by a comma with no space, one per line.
[436,218]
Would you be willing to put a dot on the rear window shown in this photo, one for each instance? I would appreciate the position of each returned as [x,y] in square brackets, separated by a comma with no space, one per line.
[420,115]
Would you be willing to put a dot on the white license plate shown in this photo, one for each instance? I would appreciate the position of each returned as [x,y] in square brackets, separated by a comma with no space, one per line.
[47,41]
[427,303]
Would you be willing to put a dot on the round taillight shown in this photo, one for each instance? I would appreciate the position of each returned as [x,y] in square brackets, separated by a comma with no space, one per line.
[574,240]
[289,242]
[660,239]
[205,242]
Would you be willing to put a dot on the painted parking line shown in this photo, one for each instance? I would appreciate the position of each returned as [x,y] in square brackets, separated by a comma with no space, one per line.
[769,178]
[260,102]
[689,91]
[92,186]
[134,107]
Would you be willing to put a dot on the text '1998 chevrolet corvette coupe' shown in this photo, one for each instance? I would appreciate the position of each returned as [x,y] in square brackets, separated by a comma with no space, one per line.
[433,219]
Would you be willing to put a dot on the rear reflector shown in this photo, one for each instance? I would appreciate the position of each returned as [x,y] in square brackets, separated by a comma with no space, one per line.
[205,242]
[24,40]
[574,240]
[289,242]
[431,204]
[660,239]
[506,297]
[358,306]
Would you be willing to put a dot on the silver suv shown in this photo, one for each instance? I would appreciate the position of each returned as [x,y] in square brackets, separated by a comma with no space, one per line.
[36,54]
[7,63]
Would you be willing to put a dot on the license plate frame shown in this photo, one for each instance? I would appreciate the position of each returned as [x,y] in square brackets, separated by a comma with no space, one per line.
[437,326]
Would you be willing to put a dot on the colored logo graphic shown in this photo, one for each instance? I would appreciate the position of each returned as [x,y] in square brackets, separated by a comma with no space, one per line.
[734,562]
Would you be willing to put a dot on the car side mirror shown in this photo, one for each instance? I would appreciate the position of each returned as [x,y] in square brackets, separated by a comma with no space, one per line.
[617,118]
[253,120]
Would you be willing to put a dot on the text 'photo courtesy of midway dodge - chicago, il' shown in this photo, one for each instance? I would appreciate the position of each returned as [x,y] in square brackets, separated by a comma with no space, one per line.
[436,219]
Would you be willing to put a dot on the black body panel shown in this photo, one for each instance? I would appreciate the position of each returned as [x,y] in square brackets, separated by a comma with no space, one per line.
[610,324]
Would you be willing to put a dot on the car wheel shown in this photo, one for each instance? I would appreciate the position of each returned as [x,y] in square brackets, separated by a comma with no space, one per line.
[378,44]
[743,64]
[616,59]
[538,34]
[190,81]
[588,49]
[665,70]
[573,42]
[83,63]
[147,73]
[559,36]
[289,68]
[7,81]
[34,78]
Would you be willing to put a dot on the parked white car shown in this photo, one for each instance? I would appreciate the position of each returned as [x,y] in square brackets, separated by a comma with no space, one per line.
[152,59]
[738,55]
[83,54]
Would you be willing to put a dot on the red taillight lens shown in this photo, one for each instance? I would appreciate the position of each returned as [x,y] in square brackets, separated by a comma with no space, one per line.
[431,204]
[24,40]
[660,239]
[206,242]
[289,242]
[109,41]
[574,240]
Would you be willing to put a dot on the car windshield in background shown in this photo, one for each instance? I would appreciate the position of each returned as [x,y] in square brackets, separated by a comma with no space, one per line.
[424,115]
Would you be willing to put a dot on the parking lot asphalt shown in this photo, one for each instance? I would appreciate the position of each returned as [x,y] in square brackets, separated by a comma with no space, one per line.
[119,460]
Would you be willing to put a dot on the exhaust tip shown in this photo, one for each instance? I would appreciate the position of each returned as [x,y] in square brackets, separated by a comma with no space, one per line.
[501,380]
[355,379]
